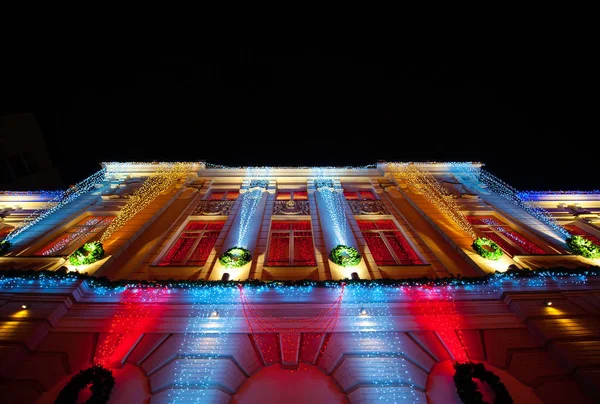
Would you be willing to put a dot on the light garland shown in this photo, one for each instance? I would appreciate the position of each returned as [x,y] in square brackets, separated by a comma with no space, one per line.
[386,375]
[335,204]
[210,321]
[529,193]
[425,182]
[135,306]
[438,312]
[258,168]
[52,194]
[165,176]
[263,326]
[58,202]
[506,191]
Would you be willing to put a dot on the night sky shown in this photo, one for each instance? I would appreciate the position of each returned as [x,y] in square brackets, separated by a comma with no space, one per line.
[523,111]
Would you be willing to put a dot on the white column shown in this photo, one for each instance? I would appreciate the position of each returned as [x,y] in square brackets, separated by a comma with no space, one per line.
[244,231]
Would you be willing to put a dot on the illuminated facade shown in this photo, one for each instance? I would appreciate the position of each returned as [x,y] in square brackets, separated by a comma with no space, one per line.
[337,284]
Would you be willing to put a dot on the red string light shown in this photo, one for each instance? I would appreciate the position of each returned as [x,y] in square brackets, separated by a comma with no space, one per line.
[134,308]
[266,330]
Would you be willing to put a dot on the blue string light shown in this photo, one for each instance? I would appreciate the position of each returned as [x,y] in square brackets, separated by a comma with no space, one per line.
[210,321]
[499,187]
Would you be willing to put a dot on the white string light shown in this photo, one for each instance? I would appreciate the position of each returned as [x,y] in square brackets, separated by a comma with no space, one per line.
[59,202]
[335,204]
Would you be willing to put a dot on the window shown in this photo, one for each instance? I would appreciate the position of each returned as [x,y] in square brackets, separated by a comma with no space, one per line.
[387,244]
[76,236]
[578,231]
[291,244]
[224,195]
[194,244]
[359,195]
[292,195]
[509,240]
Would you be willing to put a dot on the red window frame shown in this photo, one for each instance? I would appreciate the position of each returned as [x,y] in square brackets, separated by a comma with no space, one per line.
[194,244]
[387,244]
[291,244]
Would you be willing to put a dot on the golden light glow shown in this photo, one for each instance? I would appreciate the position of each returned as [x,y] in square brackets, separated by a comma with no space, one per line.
[165,176]
[423,181]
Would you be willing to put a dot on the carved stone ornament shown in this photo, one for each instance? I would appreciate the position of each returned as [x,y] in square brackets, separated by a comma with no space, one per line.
[291,208]
[214,208]
[368,207]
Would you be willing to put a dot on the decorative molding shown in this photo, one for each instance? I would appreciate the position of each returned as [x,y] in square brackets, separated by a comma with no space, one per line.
[368,207]
[291,207]
[213,208]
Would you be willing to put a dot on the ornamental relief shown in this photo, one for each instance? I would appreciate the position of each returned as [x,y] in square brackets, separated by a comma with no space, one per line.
[213,208]
[368,207]
[291,208]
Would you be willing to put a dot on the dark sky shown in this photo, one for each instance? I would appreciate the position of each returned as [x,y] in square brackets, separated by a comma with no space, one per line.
[528,111]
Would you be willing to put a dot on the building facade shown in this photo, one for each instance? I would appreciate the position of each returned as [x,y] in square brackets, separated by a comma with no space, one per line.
[268,284]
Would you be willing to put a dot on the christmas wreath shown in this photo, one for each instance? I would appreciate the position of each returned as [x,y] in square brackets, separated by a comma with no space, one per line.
[235,257]
[87,253]
[467,389]
[584,247]
[345,256]
[492,253]
[100,380]
[4,246]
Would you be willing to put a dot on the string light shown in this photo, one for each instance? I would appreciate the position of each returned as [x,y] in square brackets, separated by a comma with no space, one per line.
[335,204]
[257,168]
[58,202]
[52,194]
[165,176]
[381,349]
[499,187]
[135,306]
[203,342]
[424,182]
[529,193]
[264,328]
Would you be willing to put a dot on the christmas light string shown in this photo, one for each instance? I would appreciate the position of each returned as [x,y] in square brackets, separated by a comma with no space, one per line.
[43,193]
[135,307]
[438,312]
[335,204]
[258,168]
[210,320]
[530,193]
[311,329]
[58,202]
[165,176]
[375,327]
[423,181]
[499,187]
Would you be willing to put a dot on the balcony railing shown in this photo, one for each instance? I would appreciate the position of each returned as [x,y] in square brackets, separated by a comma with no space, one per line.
[368,207]
[291,207]
[214,208]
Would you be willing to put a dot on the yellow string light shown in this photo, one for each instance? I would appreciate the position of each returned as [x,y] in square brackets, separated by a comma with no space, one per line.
[165,176]
[424,182]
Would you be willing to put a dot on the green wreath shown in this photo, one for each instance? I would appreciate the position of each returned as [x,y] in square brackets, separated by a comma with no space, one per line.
[492,253]
[4,246]
[87,253]
[467,389]
[584,247]
[100,379]
[235,257]
[345,256]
